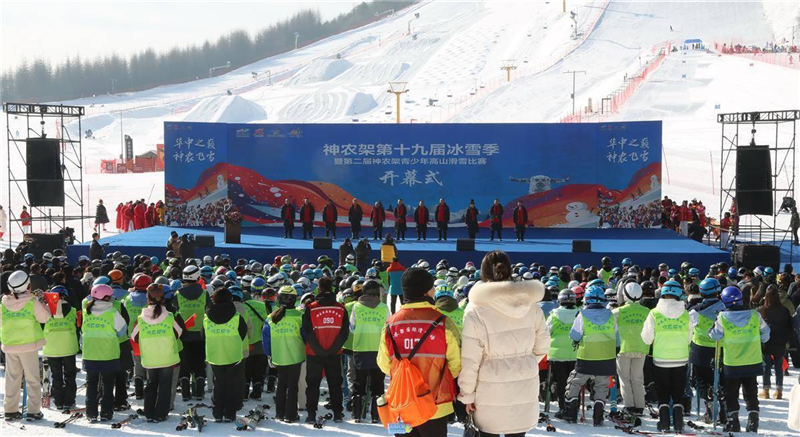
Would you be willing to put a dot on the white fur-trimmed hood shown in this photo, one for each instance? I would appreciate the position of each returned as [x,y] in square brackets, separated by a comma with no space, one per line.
[513,299]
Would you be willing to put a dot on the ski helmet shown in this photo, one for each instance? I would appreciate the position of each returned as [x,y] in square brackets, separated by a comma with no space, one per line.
[709,287]
[633,291]
[191,273]
[626,262]
[672,288]
[566,297]
[101,291]
[18,282]
[595,294]
[731,296]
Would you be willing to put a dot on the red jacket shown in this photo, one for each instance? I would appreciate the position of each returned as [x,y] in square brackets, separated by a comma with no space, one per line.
[685,214]
[421,216]
[128,217]
[377,216]
[24,215]
[149,217]
[442,214]
[330,214]
[138,216]
[307,213]
[325,326]
[497,213]
[520,216]
[400,213]
[120,216]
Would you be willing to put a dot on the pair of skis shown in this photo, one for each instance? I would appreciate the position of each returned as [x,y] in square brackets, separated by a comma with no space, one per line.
[73,416]
[253,418]
[124,421]
[320,423]
[190,419]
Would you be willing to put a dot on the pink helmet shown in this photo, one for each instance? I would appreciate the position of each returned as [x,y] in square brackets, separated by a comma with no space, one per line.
[578,290]
[101,291]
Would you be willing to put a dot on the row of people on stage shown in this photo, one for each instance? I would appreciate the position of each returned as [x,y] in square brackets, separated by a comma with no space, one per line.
[421,217]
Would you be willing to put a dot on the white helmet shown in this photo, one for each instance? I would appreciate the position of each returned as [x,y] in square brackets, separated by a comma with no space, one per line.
[18,282]
[633,291]
[350,258]
[191,273]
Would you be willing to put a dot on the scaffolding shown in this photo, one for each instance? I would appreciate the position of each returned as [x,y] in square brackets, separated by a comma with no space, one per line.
[53,219]
[762,127]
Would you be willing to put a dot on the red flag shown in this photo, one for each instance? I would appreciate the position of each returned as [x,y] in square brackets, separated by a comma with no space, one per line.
[191,321]
[135,346]
[52,301]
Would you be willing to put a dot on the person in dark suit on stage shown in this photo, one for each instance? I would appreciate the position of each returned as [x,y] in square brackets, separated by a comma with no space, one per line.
[496,217]
[421,219]
[287,215]
[471,219]
[442,216]
[377,216]
[355,214]
[307,218]
[329,216]
[400,213]
[520,220]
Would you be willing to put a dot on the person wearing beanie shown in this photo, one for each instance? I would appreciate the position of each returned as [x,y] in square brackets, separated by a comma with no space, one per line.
[21,316]
[157,332]
[367,317]
[442,349]
[225,332]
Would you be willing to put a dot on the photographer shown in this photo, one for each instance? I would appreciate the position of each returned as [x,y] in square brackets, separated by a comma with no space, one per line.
[187,246]
[96,249]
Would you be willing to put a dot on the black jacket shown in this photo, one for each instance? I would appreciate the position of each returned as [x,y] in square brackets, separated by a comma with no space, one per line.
[445,210]
[287,210]
[96,250]
[355,214]
[100,214]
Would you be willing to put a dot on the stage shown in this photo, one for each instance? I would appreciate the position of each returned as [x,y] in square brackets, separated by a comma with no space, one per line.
[550,246]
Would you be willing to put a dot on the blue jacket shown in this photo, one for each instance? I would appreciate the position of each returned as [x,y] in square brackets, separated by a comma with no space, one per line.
[700,355]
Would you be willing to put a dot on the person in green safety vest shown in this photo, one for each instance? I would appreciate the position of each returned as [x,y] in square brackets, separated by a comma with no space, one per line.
[367,317]
[605,273]
[238,297]
[120,289]
[667,329]
[157,332]
[61,350]
[256,364]
[21,315]
[701,352]
[445,301]
[102,328]
[134,303]
[740,332]
[595,332]
[561,354]
[192,301]
[633,351]
[283,344]
[225,335]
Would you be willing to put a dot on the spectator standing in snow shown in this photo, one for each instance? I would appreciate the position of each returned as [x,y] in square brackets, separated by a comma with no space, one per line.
[100,216]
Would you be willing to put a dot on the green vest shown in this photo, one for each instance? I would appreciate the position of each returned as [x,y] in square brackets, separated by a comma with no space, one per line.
[671,337]
[61,335]
[187,308]
[700,335]
[20,327]
[157,343]
[561,349]
[605,275]
[630,321]
[348,344]
[457,316]
[133,312]
[250,334]
[286,339]
[369,323]
[118,306]
[384,275]
[741,346]
[100,341]
[599,342]
[257,311]
[223,344]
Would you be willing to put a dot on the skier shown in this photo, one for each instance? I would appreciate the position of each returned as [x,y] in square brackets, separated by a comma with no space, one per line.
[630,319]
[330,215]
[134,303]
[282,340]
[701,352]
[367,318]
[597,336]
[377,216]
[520,220]
[287,216]
[256,364]
[400,214]
[740,331]
[562,355]
[192,301]
[307,219]
[21,336]
[157,332]
[471,219]
[667,329]
[442,216]
[421,219]
[354,215]
[496,216]
[61,350]
[225,334]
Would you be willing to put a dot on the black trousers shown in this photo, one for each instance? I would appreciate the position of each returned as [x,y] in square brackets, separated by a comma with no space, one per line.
[393,303]
[422,231]
[62,377]
[308,229]
[121,388]
[330,230]
[431,428]
[400,230]
[749,387]
[193,360]
[375,379]
[255,369]
[441,227]
[332,366]
[107,397]
[227,395]
[355,230]
[560,371]
[377,232]
[520,231]
[499,229]
[288,228]
[670,384]
[286,392]
[472,231]
[158,393]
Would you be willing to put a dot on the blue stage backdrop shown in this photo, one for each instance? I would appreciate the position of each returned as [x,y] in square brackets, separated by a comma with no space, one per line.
[567,175]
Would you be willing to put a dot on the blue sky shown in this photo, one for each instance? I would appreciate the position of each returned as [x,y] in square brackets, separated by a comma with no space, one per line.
[55,30]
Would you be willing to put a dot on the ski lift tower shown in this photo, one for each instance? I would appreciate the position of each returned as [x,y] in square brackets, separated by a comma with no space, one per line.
[398,89]
[508,65]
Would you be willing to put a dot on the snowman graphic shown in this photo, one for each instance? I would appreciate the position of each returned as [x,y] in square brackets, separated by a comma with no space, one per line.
[654,184]
[577,212]
[539,183]
[221,184]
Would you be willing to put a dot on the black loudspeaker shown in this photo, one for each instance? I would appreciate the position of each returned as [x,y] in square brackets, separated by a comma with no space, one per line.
[753,181]
[581,246]
[323,243]
[45,179]
[751,256]
[465,244]
[204,240]
[38,244]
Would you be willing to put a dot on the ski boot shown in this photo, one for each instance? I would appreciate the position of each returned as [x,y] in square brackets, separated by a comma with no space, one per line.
[708,416]
[186,389]
[311,419]
[138,388]
[752,422]
[663,418]
[687,406]
[733,423]
[571,413]
[246,390]
[271,384]
[31,417]
[358,408]
[257,389]
[373,410]
[597,413]
[677,418]
[200,388]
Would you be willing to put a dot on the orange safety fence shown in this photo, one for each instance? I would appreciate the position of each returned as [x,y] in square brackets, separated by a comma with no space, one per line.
[788,59]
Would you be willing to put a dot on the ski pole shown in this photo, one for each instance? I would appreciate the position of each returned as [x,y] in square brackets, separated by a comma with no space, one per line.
[547,393]
[715,396]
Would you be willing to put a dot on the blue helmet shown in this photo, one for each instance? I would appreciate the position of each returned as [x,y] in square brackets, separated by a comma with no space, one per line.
[596,282]
[694,272]
[286,268]
[523,270]
[230,274]
[103,280]
[61,290]
[318,273]
[27,256]
[731,296]
[236,291]
[308,273]
[443,290]
[733,273]
[672,288]
[465,291]
[768,271]
[536,275]
[709,287]
[672,272]
[299,289]
[206,272]
[626,262]
[595,294]
[576,267]
[432,272]
[258,284]
[154,260]
[175,285]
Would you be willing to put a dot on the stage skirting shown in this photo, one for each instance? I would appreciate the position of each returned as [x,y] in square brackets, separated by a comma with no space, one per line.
[646,247]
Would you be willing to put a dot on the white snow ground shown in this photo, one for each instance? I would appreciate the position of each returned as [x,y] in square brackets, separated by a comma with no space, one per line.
[453,56]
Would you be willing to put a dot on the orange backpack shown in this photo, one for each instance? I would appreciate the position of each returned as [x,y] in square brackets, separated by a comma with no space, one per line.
[408,398]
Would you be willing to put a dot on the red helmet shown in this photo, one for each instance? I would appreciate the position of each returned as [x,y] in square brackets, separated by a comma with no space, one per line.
[142,282]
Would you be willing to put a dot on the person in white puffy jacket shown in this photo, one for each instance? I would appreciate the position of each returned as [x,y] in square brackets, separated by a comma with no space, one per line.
[504,337]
